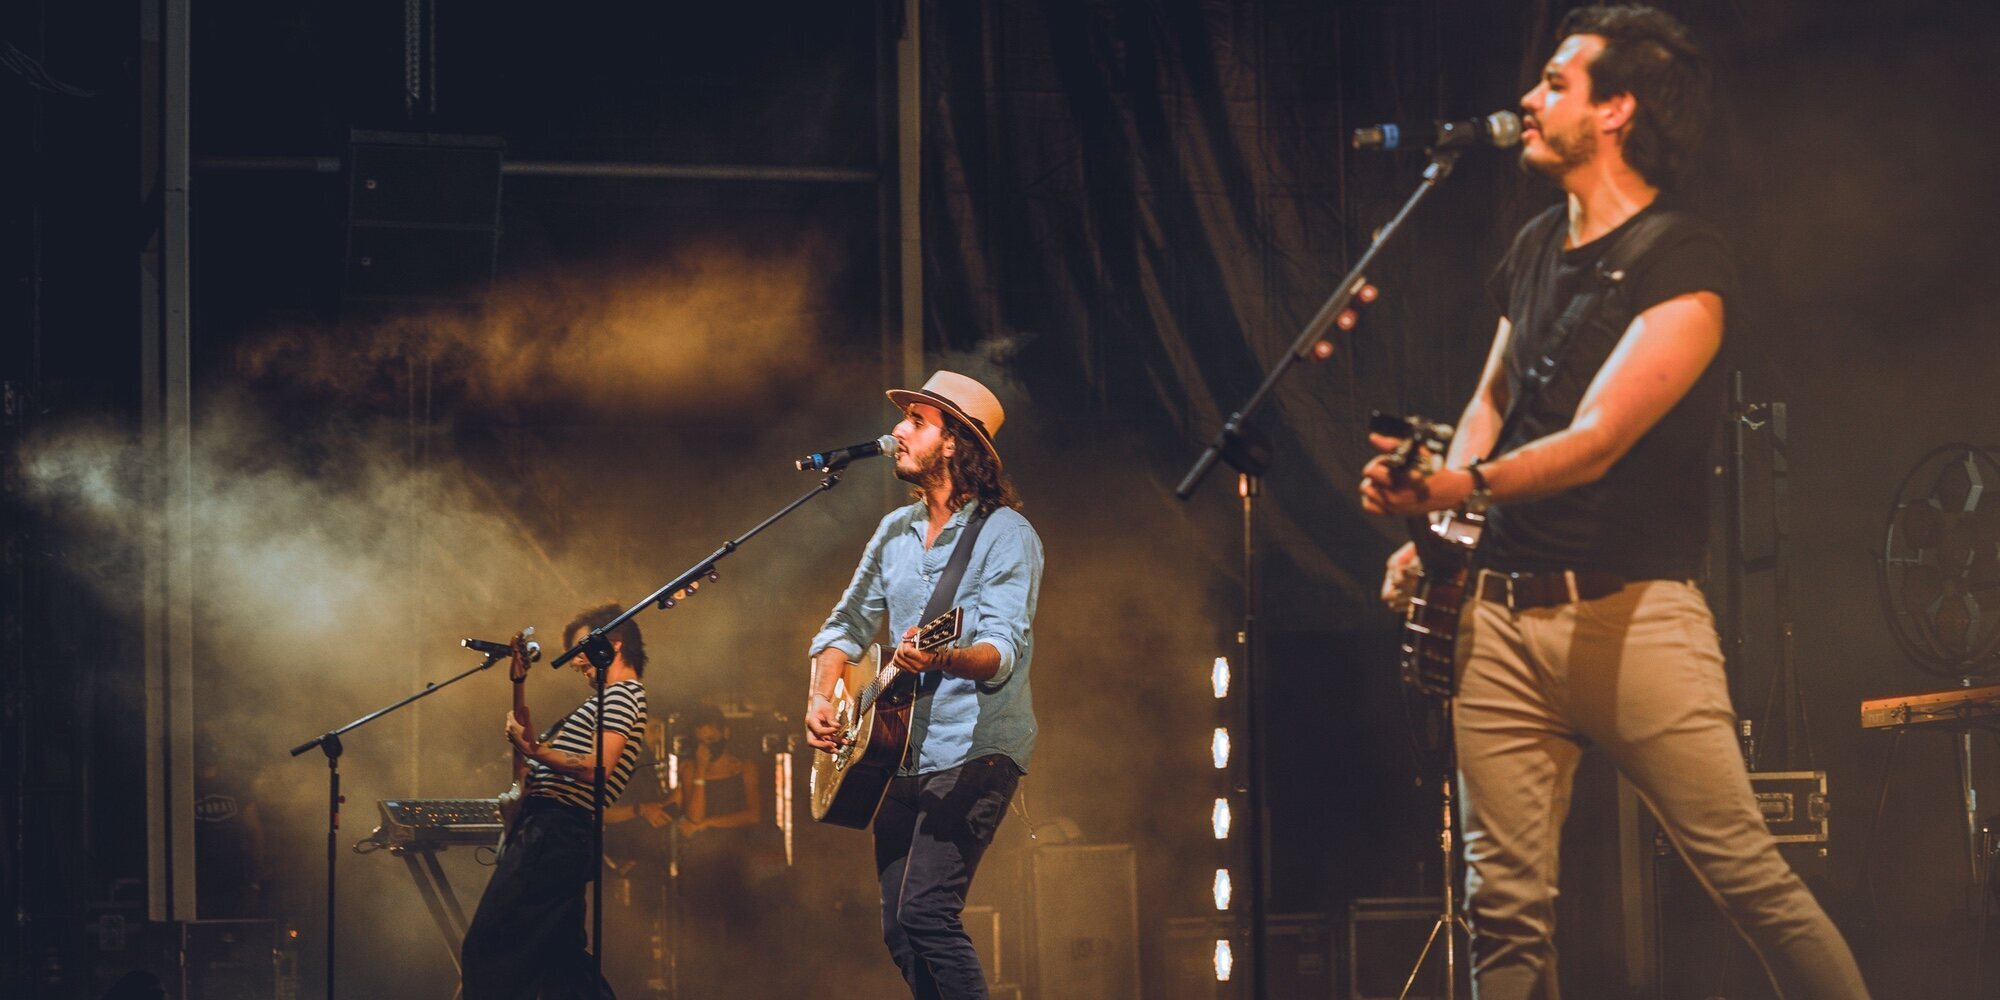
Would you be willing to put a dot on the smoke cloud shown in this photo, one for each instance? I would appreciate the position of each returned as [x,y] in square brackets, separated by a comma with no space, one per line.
[672,336]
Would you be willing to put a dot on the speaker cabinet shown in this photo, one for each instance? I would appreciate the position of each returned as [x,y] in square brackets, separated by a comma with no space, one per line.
[229,960]
[1384,937]
[1299,948]
[423,217]
[1086,921]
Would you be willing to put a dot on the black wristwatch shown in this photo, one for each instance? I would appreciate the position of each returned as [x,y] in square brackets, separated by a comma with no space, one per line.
[1482,494]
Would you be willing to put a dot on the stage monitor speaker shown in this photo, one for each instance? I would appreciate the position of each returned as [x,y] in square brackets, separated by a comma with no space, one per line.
[1086,921]
[423,217]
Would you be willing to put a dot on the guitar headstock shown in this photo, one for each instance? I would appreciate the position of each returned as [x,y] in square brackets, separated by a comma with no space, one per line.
[940,630]
[1422,442]
[519,656]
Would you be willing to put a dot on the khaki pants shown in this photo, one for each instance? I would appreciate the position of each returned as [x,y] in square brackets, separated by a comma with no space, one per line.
[1639,675]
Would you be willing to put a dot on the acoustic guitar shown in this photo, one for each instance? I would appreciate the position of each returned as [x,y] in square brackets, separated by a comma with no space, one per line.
[848,784]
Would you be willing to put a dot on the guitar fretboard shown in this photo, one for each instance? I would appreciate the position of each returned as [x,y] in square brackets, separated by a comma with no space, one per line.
[936,632]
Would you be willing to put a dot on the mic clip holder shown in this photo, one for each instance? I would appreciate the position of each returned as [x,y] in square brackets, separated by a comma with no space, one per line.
[1224,444]
[597,649]
[671,600]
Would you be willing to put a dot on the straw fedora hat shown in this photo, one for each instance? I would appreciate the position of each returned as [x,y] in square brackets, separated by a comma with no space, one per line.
[973,404]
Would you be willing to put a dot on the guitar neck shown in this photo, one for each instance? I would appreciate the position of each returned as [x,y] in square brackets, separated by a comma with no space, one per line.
[934,633]
[520,712]
[883,679]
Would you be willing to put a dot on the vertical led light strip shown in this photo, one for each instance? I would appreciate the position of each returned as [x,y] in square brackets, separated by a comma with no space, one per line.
[782,808]
[1222,886]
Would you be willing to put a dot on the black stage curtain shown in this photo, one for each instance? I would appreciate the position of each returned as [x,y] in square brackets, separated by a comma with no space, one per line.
[1143,203]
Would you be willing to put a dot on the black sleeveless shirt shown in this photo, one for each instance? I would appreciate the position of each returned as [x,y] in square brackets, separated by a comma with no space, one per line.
[1647,518]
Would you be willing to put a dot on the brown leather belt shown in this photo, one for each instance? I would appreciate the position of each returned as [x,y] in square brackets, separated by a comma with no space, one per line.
[1522,591]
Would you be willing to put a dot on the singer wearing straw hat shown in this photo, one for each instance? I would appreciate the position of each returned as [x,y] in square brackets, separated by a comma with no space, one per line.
[973,724]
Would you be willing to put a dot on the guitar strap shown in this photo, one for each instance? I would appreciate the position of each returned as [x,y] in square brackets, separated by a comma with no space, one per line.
[947,585]
[1643,235]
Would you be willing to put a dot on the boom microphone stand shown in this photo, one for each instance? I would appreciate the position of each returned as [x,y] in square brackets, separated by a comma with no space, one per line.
[330,744]
[1239,444]
[596,647]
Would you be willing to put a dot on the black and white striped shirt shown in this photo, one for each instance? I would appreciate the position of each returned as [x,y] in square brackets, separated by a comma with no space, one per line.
[624,713]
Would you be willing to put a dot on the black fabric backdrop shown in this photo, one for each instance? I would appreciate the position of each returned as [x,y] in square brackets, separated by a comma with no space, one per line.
[1148,201]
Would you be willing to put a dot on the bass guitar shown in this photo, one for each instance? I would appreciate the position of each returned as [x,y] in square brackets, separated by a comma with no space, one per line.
[1445,547]
[848,784]
[510,801]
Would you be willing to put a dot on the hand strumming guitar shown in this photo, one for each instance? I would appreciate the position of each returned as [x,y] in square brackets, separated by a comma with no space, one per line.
[1399,577]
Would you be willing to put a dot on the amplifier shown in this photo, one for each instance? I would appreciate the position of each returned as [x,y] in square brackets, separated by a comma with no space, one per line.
[1086,921]
[1384,937]
[229,960]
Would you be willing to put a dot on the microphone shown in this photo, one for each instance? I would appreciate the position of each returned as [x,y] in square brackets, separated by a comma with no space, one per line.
[827,461]
[1501,128]
[533,650]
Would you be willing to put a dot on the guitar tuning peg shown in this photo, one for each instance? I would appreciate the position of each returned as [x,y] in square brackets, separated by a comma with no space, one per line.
[1368,293]
[713,576]
[1322,350]
[1347,318]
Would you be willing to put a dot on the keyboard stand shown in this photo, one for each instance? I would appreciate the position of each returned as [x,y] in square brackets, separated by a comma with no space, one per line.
[438,897]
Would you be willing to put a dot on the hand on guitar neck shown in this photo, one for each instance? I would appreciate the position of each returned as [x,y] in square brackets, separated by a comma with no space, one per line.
[1404,482]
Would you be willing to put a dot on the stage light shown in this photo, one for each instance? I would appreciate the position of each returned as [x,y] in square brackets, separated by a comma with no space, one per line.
[1218,747]
[781,781]
[1222,888]
[1218,678]
[1219,819]
[1225,963]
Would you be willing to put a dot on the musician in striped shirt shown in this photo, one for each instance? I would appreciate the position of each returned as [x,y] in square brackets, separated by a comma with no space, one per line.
[527,937]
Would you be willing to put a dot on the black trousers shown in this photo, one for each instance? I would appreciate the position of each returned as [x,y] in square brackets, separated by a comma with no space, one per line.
[929,836]
[526,939]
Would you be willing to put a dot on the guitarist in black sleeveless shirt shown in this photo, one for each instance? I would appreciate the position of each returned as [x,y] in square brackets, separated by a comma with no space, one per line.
[1586,627]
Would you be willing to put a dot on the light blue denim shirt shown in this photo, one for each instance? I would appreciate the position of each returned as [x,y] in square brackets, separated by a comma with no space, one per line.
[961,719]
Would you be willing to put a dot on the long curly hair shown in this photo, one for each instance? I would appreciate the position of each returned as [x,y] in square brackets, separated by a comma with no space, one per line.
[975,473]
